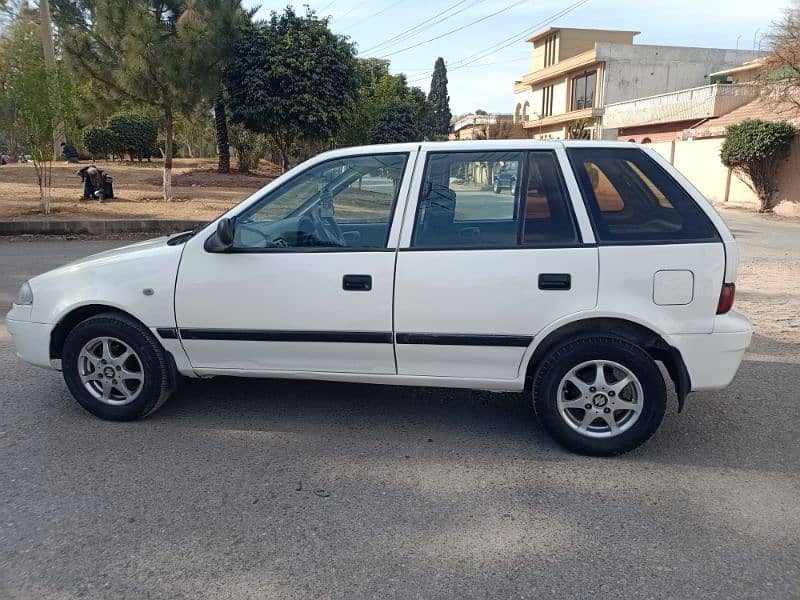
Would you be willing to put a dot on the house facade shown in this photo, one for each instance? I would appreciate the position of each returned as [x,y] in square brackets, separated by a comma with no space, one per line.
[485,126]
[576,73]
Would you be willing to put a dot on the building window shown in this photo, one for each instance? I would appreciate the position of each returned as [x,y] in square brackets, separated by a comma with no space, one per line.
[550,50]
[647,140]
[547,101]
[518,113]
[583,90]
[525,108]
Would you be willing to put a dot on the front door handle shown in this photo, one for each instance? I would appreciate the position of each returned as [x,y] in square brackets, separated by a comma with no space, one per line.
[555,281]
[357,283]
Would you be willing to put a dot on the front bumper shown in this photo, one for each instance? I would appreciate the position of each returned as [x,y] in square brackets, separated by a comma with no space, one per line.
[31,340]
[713,359]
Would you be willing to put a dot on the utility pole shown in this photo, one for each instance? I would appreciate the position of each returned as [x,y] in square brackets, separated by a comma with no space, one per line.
[50,63]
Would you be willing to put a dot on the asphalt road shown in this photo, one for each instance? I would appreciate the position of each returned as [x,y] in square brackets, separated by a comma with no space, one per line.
[275,489]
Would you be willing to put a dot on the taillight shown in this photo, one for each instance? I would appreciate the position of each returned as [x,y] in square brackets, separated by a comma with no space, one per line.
[726,297]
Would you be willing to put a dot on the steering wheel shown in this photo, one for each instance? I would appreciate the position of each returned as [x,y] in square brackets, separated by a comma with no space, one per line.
[326,228]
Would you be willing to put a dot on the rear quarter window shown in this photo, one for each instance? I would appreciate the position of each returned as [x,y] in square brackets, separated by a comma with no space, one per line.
[631,199]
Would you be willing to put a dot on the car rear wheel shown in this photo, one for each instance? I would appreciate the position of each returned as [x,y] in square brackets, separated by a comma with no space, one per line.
[115,368]
[600,395]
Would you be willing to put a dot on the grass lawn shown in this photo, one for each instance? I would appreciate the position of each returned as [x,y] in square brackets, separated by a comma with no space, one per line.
[199,192]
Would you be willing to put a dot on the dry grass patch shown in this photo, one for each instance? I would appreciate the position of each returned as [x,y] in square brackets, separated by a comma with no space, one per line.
[200,192]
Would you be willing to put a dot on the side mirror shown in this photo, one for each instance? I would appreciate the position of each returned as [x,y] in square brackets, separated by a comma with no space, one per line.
[222,240]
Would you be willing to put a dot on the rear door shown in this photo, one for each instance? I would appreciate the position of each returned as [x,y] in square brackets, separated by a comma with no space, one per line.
[480,271]
[660,255]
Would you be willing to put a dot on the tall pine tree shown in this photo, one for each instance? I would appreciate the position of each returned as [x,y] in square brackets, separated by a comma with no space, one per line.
[441,115]
[144,52]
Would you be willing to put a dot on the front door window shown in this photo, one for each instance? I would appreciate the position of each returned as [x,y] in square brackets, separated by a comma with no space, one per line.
[341,203]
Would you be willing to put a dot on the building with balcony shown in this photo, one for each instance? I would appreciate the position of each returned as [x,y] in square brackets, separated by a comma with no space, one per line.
[663,117]
[576,73]
[485,126]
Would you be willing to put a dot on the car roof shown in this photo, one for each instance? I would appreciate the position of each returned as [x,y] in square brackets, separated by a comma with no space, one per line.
[475,145]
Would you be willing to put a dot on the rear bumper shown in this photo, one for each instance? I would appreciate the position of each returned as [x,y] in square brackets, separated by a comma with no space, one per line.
[713,359]
[32,341]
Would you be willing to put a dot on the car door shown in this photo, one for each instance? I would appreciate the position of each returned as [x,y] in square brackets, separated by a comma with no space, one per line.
[480,271]
[308,283]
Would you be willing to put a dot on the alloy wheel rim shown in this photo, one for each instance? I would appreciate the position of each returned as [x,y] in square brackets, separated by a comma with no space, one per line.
[600,399]
[111,371]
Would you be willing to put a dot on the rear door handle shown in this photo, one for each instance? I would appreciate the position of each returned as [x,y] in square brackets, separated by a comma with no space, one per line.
[555,281]
[357,283]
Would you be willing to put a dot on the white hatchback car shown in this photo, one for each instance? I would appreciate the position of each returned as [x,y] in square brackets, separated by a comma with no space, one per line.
[407,264]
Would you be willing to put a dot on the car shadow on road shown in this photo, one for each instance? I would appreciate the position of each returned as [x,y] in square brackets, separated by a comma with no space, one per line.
[738,427]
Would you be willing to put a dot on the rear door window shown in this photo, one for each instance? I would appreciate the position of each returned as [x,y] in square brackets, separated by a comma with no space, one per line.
[631,199]
[493,200]
[469,199]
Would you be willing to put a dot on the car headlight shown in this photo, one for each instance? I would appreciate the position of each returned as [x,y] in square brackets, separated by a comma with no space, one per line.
[25,294]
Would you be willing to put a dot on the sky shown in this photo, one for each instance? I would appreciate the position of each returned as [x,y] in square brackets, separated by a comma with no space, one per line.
[488,51]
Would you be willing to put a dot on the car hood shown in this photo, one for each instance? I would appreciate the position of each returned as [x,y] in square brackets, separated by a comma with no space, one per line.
[118,253]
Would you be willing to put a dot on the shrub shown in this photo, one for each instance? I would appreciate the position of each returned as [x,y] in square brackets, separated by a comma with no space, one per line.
[754,149]
[100,141]
[136,131]
[250,147]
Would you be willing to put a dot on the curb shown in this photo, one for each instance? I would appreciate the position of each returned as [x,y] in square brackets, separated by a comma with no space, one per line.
[95,227]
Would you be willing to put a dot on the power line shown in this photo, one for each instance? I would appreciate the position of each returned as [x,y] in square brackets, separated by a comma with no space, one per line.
[457,29]
[352,8]
[471,59]
[380,12]
[513,39]
[416,27]
[424,25]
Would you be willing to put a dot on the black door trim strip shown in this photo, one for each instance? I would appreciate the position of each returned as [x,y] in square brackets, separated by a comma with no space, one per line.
[464,339]
[351,337]
[255,335]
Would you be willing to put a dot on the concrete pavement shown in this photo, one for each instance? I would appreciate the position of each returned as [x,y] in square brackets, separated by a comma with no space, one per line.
[277,489]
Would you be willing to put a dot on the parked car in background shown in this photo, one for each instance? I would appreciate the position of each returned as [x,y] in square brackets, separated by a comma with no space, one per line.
[506,179]
[369,265]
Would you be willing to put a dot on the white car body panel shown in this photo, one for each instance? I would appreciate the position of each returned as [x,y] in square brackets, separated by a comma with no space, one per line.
[476,301]
[285,292]
[453,292]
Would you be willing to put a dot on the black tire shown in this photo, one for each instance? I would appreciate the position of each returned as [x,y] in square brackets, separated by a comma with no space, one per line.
[159,376]
[602,348]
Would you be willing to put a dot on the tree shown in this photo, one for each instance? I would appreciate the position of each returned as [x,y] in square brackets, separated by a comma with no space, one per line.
[439,100]
[754,150]
[396,124]
[35,99]
[380,93]
[212,30]
[143,53]
[292,79]
[781,71]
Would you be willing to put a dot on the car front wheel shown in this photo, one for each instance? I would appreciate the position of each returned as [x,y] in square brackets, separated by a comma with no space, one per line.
[600,395]
[115,368]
